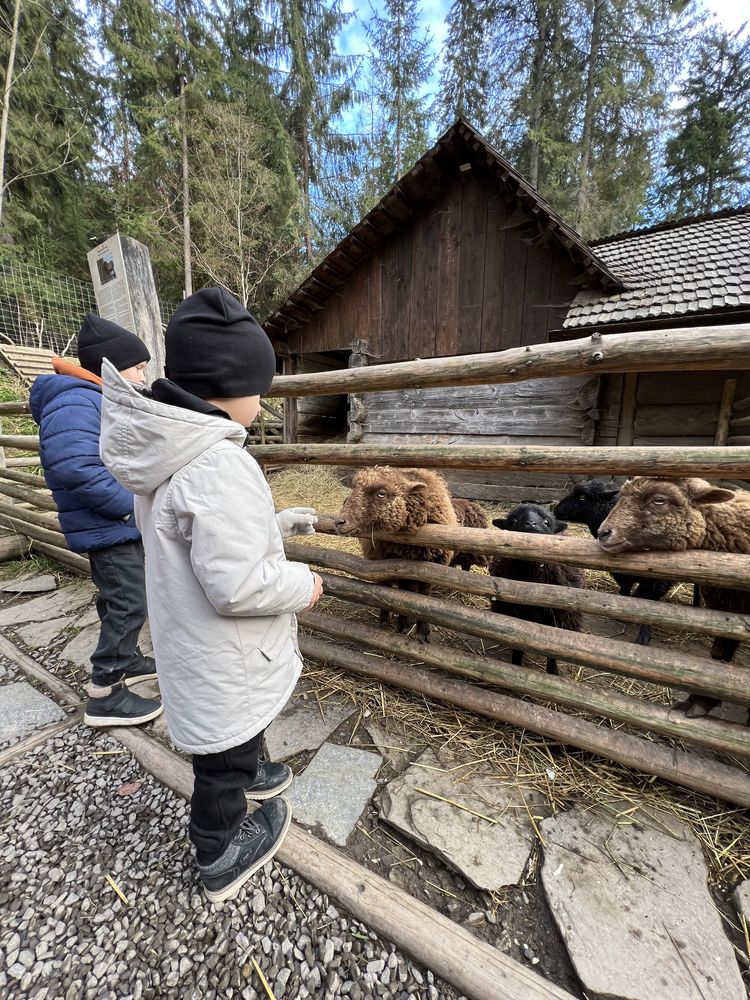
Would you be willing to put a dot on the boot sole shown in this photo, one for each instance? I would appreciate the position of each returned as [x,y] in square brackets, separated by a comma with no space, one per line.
[230,891]
[104,721]
[270,793]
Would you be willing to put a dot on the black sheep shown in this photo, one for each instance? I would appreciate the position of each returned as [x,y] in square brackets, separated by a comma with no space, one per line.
[532,518]
[589,503]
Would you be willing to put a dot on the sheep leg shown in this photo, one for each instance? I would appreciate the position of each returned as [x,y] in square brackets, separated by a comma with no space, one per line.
[516,657]
[697,596]
[552,667]
[651,590]
[698,705]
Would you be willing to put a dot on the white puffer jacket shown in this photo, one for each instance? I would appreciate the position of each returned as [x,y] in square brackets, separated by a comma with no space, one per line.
[221,594]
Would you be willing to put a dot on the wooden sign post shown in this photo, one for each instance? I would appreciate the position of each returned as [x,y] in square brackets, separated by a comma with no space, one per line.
[126,294]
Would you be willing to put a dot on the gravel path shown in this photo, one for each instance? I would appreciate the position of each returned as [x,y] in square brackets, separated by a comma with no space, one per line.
[70,818]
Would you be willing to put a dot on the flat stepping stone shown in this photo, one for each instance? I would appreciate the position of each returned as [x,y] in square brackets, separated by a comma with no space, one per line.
[40,609]
[30,585]
[37,635]
[78,651]
[23,710]
[89,617]
[629,894]
[334,789]
[485,832]
[302,725]
[742,901]
[394,747]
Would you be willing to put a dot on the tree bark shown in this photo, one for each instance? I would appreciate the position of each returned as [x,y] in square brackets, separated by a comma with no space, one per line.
[537,89]
[186,241]
[7,87]
[588,116]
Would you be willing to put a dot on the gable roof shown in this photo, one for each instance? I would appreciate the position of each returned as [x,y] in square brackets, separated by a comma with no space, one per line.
[685,268]
[421,184]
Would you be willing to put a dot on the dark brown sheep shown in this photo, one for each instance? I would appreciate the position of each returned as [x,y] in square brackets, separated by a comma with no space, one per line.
[663,515]
[535,519]
[388,499]
[470,515]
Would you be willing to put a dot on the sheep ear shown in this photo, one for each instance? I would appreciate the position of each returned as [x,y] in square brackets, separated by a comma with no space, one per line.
[500,522]
[416,485]
[560,526]
[705,493]
[609,494]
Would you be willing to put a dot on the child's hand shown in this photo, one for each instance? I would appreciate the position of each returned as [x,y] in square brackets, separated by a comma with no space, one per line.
[297,521]
[317,592]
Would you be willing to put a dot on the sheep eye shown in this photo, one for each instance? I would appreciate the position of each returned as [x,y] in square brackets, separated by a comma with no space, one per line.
[659,501]
[546,522]
[382,494]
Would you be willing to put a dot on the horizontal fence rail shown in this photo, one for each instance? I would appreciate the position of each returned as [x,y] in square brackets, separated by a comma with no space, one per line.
[584,461]
[703,348]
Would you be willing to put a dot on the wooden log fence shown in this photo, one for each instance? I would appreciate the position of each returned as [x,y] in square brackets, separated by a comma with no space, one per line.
[527,697]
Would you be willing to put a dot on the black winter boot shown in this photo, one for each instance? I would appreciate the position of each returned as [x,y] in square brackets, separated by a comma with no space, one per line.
[121,707]
[257,840]
[271,780]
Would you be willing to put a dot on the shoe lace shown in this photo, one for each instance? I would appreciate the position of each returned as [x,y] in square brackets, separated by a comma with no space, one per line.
[248,828]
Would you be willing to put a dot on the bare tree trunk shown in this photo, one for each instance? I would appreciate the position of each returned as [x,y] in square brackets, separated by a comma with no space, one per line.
[6,99]
[588,118]
[537,91]
[125,136]
[306,191]
[186,244]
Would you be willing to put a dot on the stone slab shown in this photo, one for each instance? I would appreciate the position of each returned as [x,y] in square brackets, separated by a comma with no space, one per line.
[630,897]
[302,725]
[39,609]
[39,584]
[90,616]
[742,901]
[23,709]
[334,789]
[37,635]
[491,850]
[81,646]
[393,746]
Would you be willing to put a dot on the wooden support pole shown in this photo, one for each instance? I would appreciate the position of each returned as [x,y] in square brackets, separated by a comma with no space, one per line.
[680,670]
[290,403]
[722,569]
[704,348]
[725,411]
[701,774]
[709,462]
[592,602]
[626,428]
[715,734]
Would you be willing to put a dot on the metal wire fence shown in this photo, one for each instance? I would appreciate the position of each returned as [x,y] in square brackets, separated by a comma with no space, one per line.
[39,308]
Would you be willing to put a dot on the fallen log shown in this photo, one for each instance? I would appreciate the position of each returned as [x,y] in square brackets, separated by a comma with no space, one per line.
[701,774]
[592,602]
[658,666]
[74,561]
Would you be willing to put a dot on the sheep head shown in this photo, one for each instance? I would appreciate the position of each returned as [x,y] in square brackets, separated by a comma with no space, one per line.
[659,515]
[532,519]
[384,499]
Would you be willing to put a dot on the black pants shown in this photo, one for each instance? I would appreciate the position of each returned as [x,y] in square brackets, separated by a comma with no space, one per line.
[119,576]
[218,805]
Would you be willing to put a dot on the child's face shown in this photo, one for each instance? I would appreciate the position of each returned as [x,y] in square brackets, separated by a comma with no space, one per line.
[135,374]
[242,409]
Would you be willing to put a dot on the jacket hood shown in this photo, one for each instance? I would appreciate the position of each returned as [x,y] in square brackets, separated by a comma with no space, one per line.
[144,442]
[46,388]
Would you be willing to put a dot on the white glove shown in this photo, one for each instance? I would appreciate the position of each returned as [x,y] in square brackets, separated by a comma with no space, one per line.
[296,521]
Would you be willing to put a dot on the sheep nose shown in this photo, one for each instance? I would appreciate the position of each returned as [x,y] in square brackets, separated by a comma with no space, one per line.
[604,533]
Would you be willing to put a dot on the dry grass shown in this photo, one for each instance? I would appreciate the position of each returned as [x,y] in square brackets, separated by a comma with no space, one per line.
[562,774]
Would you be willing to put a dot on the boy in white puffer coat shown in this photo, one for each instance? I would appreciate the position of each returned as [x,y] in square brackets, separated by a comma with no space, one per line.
[222,596]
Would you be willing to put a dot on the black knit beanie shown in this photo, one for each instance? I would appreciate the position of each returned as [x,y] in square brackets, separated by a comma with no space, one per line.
[101,339]
[216,350]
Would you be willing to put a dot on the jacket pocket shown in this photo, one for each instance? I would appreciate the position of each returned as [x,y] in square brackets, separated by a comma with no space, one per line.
[276,638]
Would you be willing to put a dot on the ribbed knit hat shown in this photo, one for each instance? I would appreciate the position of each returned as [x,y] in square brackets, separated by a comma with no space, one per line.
[216,350]
[99,338]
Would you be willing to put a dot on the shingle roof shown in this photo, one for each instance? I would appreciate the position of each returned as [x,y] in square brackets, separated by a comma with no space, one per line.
[679,269]
[420,184]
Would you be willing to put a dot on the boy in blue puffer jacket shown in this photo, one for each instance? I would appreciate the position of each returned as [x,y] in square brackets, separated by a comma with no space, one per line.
[96,514]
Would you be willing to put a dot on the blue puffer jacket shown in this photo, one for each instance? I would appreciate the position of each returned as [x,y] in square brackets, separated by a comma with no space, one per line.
[93,507]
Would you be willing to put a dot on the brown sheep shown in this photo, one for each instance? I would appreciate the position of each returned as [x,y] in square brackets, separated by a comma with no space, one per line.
[534,519]
[470,515]
[388,499]
[666,515]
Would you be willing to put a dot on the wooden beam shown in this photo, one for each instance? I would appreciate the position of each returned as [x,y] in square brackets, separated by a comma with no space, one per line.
[290,407]
[728,391]
[626,428]
[39,737]
[659,666]
[26,442]
[690,770]
[592,602]
[706,348]
[572,460]
[78,563]
[721,569]
[63,692]
[33,496]
[17,407]
[36,482]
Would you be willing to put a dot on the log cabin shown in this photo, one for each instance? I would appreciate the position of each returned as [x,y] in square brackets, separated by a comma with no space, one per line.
[463,256]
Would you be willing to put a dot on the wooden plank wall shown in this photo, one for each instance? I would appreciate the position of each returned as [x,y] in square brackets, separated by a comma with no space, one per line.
[457,279]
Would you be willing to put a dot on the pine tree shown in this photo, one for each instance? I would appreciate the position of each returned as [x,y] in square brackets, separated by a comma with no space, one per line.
[708,160]
[465,77]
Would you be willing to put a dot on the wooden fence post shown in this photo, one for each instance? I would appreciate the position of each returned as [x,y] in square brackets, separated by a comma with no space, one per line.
[290,404]
[725,411]
[357,409]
